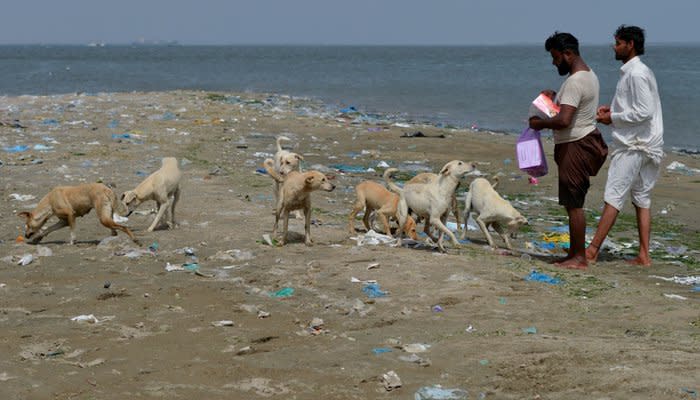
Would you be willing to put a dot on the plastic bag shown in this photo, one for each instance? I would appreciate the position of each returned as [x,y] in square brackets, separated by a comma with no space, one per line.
[530,153]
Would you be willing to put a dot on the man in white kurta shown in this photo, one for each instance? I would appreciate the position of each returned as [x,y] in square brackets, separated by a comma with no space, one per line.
[637,122]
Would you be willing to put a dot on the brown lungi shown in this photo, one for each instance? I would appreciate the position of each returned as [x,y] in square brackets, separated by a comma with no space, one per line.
[577,162]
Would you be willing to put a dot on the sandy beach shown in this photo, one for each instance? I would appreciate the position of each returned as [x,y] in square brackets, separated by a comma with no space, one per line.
[297,322]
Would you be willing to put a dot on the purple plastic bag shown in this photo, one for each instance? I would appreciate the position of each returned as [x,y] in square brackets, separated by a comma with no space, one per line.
[530,153]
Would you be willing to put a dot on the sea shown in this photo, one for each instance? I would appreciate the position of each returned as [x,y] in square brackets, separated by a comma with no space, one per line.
[480,87]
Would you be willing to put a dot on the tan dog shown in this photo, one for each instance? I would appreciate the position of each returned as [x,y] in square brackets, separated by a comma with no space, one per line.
[162,186]
[69,202]
[430,200]
[295,194]
[372,196]
[491,210]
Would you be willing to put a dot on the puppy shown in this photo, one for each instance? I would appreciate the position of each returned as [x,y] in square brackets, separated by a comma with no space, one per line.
[69,202]
[427,177]
[491,210]
[430,200]
[372,196]
[295,194]
[162,186]
[285,162]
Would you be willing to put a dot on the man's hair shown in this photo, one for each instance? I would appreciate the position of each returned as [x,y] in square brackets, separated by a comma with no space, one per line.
[561,41]
[633,34]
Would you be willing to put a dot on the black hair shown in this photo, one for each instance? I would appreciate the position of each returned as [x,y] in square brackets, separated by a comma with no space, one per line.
[633,34]
[561,41]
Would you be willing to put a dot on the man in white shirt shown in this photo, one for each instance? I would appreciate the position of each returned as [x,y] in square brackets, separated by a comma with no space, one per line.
[637,121]
[579,148]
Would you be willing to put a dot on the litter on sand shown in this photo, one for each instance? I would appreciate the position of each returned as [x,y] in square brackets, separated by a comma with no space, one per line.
[542,277]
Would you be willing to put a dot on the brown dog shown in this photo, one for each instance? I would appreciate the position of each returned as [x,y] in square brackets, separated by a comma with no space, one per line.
[372,196]
[295,194]
[69,202]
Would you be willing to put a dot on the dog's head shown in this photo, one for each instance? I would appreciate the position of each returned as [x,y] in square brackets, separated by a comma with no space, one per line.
[318,181]
[31,226]
[409,228]
[516,223]
[288,162]
[457,168]
[129,201]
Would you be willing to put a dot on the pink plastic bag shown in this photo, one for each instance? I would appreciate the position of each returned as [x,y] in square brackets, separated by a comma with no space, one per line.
[530,153]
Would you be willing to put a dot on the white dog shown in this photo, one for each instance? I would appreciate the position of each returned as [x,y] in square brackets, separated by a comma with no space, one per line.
[162,186]
[491,210]
[430,200]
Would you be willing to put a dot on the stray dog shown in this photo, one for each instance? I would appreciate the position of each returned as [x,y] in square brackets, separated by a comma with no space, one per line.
[162,186]
[492,210]
[372,196]
[430,200]
[69,202]
[285,162]
[295,194]
[427,177]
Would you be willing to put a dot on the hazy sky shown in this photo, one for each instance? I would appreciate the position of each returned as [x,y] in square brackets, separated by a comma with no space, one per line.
[374,22]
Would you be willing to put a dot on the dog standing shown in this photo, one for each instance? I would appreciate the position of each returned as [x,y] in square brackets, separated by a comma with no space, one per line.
[285,161]
[372,196]
[491,210]
[69,202]
[427,177]
[295,194]
[162,186]
[430,200]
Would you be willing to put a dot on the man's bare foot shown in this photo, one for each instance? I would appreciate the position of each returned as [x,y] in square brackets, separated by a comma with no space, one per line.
[573,263]
[560,259]
[591,254]
[641,261]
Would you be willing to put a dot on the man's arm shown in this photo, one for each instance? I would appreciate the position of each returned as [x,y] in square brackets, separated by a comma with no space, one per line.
[643,104]
[560,121]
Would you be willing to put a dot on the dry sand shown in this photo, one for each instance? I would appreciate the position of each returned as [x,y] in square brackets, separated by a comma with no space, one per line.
[607,333]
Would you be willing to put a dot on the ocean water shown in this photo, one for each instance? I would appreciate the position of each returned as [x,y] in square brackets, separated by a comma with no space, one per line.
[484,87]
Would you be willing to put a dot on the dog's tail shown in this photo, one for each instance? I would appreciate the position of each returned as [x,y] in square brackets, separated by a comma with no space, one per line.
[495,182]
[269,166]
[387,179]
[279,145]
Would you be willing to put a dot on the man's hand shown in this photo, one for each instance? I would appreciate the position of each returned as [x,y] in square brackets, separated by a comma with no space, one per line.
[603,115]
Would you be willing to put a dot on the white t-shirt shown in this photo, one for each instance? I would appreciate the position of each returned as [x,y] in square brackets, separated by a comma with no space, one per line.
[579,90]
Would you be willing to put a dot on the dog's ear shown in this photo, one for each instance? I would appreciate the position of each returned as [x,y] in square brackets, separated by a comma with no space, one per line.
[128,196]
[25,214]
[445,171]
[299,157]
[309,179]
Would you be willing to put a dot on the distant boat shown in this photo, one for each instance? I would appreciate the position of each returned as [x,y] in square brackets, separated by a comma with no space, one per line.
[96,44]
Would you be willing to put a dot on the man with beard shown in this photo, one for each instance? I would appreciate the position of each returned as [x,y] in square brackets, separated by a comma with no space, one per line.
[637,122]
[579,148]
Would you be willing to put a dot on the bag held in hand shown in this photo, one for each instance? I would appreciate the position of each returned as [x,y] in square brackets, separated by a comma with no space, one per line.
[530,153]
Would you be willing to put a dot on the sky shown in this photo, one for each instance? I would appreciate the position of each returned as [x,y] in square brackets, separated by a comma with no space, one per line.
[332,22]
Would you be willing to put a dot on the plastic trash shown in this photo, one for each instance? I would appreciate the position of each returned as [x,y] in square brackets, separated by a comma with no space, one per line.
[415,348]
[530,330]
[90,318]
[530,153]
[284,292]
[25,260]
[542,277]
[222,323]
[391,381]
[436,392]
[381,350]
[16,149]
[372,290]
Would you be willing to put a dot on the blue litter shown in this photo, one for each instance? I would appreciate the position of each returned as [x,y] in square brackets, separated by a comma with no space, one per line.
[348,168]
[436,392]
[191,266]
[542,277]
[696,289]
[372,290]
[381,350]
[121,136]
[349,110]
[531,330]
[50,121]
[113,124]
[16,149]
[261,171]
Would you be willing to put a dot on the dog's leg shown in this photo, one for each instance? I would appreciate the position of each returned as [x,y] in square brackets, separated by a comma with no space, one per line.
[104,214]
[402,214]
[455,208]
[162,208]
[485,229]
[503,234]
[58,225]
[437,222]
[385,222]
[176,198]
[285,226]
[355,209]
[467,210]
[307,225]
